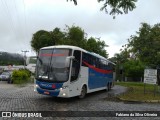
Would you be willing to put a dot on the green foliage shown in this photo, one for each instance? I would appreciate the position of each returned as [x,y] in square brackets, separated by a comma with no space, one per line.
[116,6]
[141,51]
[130,84]
[21,76]
[145,44]
[11,59]
[73,35]
[134,68]
[119,60]
[58,36]
[136,92]
[96,46]
[40,39]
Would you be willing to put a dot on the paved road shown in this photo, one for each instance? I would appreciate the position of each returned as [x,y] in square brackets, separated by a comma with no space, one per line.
[13,98]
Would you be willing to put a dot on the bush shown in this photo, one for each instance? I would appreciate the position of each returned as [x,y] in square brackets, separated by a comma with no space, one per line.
[20,76]
[134,68]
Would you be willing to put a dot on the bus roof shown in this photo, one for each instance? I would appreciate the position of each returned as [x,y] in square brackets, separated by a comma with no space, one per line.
[78,48]
[65,46]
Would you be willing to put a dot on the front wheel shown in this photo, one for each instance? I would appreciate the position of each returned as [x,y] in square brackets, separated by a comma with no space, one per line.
[83,92]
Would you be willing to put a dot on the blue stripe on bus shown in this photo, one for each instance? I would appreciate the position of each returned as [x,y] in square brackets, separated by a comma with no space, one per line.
[53,93]
[49,88]
[97,80]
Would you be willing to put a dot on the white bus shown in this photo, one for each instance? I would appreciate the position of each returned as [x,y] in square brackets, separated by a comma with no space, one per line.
[68,71]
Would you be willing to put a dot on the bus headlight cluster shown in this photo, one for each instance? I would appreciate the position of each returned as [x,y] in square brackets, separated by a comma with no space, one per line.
[35,87]
[64,87]
[63,90]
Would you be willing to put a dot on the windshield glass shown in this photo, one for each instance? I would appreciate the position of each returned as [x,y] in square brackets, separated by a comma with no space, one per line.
[51,65]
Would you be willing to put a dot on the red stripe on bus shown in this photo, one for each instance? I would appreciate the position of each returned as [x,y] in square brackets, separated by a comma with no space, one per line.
[97,69]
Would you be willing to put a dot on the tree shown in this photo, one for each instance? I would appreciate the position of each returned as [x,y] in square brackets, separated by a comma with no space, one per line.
[142,50]
[57,36]
[40,39]
[145,44]
[120,59]
[77,37]
[97,46]
[117,59]
[117,6]
[73,35]
[11,59]
[134,68]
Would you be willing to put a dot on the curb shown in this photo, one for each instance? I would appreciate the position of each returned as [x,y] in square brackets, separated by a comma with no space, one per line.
[142,101]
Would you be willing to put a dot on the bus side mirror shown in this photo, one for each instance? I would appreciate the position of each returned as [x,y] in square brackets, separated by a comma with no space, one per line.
[67,62]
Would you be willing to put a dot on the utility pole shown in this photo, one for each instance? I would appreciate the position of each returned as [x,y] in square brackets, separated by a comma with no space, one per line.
[25,51]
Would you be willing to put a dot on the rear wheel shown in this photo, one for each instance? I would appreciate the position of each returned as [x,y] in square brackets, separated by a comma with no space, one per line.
[108,87]
[83,92]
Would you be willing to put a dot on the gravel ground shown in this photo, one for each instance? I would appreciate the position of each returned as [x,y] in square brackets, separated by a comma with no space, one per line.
[14,98]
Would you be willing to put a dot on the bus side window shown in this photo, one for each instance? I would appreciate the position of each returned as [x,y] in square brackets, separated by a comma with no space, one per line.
[76,65]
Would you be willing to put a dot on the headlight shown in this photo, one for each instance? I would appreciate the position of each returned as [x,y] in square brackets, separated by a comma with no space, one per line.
[35,87]
[64,87]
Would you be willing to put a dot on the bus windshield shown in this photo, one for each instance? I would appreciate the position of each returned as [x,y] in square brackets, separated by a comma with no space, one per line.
[51,65]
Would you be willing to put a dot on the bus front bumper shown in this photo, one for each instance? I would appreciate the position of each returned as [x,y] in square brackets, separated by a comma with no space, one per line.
[62,92]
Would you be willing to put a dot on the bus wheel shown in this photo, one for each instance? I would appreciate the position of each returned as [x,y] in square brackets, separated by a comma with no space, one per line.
[83,92]
[108,87]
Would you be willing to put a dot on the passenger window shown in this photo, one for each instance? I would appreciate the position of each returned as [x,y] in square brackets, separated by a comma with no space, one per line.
[76,65]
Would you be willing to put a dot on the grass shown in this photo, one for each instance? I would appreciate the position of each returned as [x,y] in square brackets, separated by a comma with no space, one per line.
[136,91]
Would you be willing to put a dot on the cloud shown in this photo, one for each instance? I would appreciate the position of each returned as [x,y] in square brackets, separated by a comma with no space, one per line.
[19,20]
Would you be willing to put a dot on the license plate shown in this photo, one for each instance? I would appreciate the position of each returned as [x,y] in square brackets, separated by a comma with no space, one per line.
[46,92]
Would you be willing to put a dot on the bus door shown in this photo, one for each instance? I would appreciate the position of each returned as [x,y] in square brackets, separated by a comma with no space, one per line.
[75,73]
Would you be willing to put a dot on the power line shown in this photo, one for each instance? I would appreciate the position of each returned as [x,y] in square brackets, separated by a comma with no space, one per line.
[9,15]
[25,51]
[16,12]
[25,21]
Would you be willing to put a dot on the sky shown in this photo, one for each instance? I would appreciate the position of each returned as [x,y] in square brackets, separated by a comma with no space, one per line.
[20,19]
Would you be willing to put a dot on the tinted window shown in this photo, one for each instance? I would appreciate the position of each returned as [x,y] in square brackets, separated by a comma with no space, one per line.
[76,65]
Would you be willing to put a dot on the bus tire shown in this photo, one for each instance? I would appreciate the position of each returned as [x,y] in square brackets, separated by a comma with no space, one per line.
[110,85]
[107,88]
[83,92]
